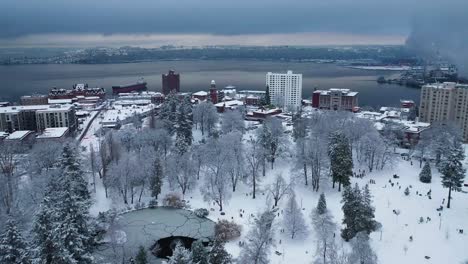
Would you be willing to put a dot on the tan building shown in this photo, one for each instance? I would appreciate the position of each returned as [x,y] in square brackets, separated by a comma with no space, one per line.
[445,102]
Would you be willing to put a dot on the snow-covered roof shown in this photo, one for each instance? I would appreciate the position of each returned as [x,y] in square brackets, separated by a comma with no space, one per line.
[18,135]
[200,93]
[59,101]
[344,92]
[3,134]
[16,109]
[229,103]
[53,132]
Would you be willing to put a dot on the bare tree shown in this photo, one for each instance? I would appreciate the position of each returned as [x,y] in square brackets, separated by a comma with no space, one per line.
[205,115]
[293,220]
[181,171]
[278,189]
[254,157]
[233,121]
[216,179]
[9,154]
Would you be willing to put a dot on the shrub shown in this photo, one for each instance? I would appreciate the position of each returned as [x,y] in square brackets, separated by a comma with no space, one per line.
[201,212]
[173,200]
[226,230]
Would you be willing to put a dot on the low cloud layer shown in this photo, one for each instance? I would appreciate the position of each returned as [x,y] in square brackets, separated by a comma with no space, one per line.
[352,21]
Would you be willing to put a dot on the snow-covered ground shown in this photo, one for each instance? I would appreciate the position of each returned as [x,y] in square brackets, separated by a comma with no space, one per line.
[438,238]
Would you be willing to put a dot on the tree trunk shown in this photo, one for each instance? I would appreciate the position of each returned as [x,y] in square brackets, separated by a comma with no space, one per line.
[254,186]
[339,186]
[305,174]
[449,197]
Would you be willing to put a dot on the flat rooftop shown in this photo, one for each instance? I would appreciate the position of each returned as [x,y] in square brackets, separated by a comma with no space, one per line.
[53,132]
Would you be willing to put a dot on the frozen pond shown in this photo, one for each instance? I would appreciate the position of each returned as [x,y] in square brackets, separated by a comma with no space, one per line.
[145,227]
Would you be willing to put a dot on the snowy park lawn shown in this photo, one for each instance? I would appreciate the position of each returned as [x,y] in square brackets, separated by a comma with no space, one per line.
[442,245]
[438,239]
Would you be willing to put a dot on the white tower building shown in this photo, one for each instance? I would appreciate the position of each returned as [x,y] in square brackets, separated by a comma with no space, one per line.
[285,89]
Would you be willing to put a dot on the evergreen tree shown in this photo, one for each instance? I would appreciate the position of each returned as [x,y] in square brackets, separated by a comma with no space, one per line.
[180,255]
[367,211]
[60,230]
[358,212]
[156,178]
[322,221]
[72,230]
[218,254]
[299,126]
[341,159]
[322,204]
[141,257]
[452,169]
[426,176]
[199,253]
[167,113]
[184,122]
[13,248]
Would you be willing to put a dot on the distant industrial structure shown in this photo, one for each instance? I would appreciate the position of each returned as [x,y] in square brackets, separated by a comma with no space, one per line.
[285,89]
[139,86]
[335,99]
[445,102]
[170,82]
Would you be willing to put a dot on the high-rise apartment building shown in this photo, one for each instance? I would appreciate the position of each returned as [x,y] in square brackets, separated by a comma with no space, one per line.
[445,102]
[170,82]
[285,89]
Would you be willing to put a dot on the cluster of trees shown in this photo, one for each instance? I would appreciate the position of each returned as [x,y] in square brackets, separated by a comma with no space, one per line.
[442,143]
[198,254]
[327,143]
[60,232]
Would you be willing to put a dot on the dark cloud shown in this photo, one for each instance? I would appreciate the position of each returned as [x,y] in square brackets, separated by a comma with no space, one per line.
[442,35]
[21,17]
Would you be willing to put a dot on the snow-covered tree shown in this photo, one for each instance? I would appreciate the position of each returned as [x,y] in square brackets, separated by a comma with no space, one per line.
[299,126]
[341,159]
[216,187]
[271,137]
[260,240]
[324,227]
[9,153]
[199,253]
[156,178]
[278,189]
[60,230]
[218,254]
[205,116]
[183,130]
[236,162]
[452,169]
[167,113]
[254,157]
[293,219]
[181,171]
[124,177]
[13,248]
[426,176]
[233,121]
[180,255]
[362,252]
[358,212]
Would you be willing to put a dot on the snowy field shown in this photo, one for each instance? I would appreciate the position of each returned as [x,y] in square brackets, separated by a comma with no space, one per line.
[437,238]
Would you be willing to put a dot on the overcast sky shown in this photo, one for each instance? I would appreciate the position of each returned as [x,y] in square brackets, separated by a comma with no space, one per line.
[203,22]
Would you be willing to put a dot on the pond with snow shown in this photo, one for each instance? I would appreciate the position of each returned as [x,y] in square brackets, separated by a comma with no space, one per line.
[157,230]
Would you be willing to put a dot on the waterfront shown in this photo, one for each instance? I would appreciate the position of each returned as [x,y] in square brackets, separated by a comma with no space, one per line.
[18,80]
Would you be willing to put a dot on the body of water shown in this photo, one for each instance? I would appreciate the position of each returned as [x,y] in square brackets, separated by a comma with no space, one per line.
[20,80]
